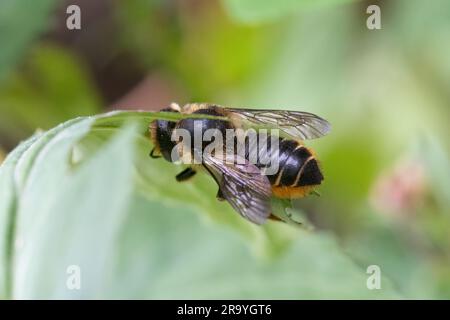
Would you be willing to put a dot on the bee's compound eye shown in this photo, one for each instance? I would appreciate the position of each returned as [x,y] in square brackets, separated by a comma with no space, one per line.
[162,132]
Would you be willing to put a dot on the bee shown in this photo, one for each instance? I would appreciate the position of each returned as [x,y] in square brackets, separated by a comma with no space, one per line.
[241,182]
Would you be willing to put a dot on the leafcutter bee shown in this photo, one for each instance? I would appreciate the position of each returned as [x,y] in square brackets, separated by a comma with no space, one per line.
[245,181]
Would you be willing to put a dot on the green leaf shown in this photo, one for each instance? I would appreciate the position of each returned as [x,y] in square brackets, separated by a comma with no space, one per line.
[8,192]
[254,11]
[86,194]
[86,238]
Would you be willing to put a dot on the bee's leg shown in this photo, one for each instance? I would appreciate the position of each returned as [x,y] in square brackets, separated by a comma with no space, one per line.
[275,218]
[153,155]
[219,195]
[186,174]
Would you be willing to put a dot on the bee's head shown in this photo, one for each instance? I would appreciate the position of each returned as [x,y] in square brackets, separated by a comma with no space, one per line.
[161,133]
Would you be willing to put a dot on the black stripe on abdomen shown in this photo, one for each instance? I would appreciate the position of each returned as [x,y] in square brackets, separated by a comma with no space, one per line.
[311,174]
[291,168]
[285,147]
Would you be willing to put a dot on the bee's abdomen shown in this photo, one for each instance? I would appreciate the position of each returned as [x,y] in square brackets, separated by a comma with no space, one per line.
[297,166]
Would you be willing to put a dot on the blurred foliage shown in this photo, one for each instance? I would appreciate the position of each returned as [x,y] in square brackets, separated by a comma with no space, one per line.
[254,11]
[203,48]
[21,22]
[386,194]
[57,87]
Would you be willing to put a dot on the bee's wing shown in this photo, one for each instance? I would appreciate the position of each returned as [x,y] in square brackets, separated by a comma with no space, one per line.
[296,124]
[243,186]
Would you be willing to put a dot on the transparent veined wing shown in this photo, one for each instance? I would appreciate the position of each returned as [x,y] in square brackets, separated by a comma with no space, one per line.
[296,124]
[242,185]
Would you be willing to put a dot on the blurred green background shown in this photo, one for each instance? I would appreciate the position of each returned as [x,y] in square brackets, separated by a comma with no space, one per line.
[136,233]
